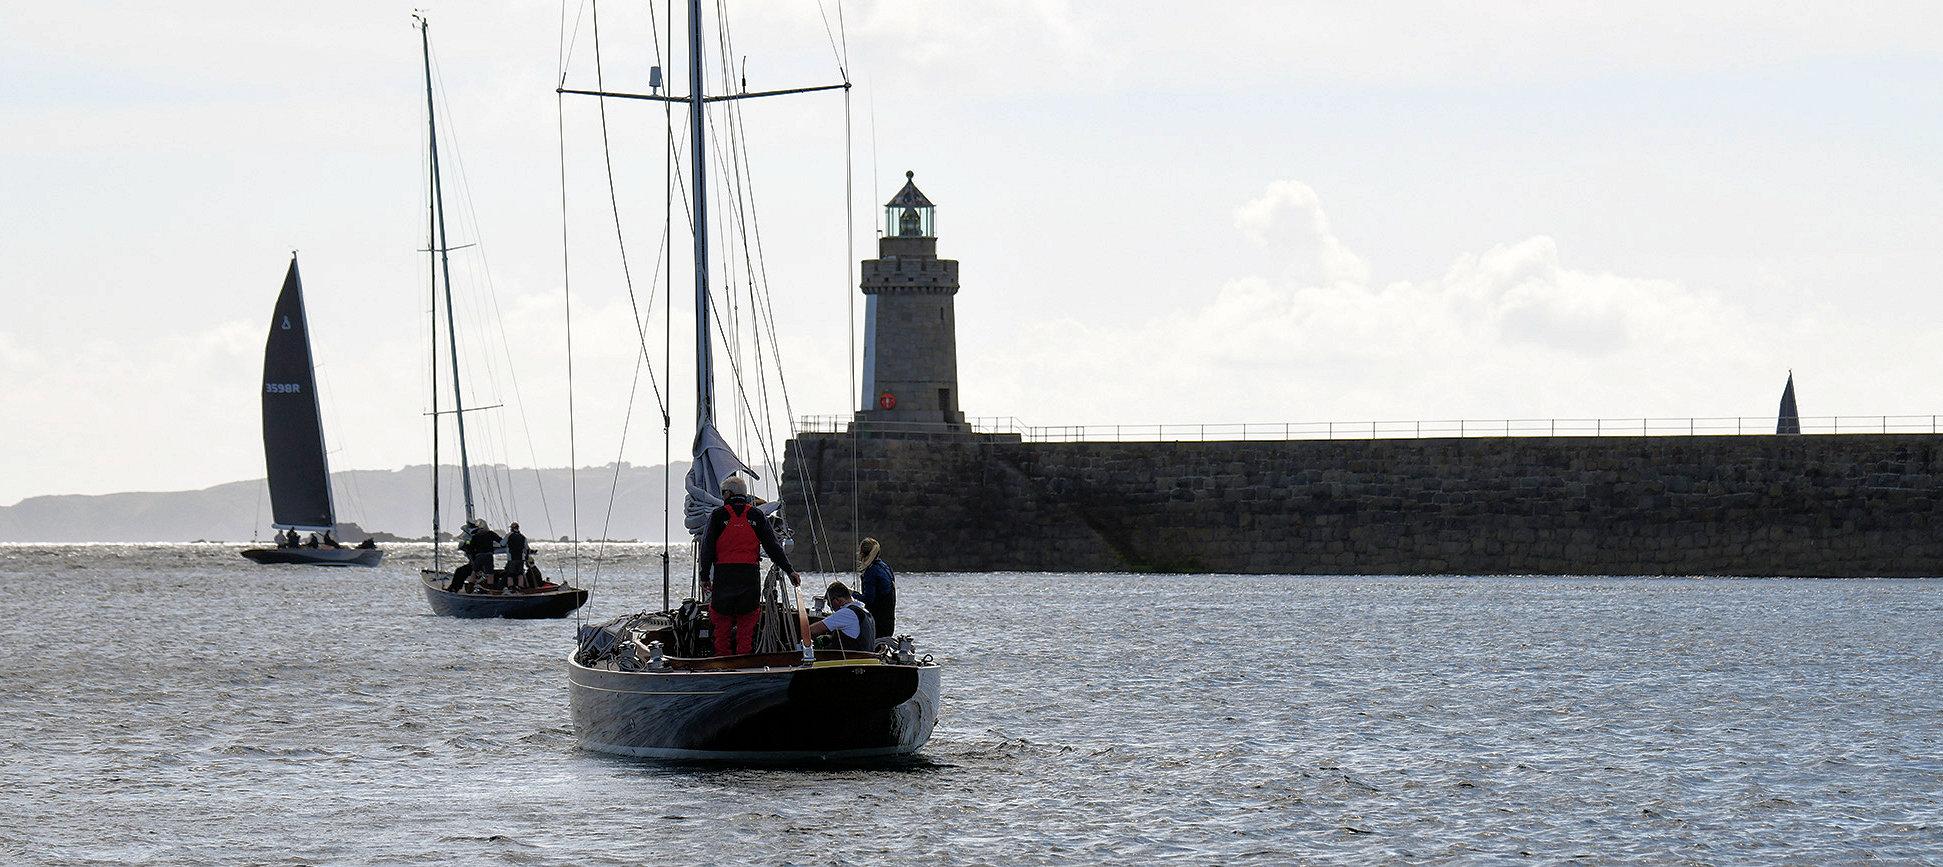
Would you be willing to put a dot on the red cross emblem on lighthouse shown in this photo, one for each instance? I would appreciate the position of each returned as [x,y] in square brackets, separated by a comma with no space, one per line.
[887,401]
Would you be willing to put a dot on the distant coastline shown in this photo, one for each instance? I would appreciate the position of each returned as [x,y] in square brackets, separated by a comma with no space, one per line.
[393,504]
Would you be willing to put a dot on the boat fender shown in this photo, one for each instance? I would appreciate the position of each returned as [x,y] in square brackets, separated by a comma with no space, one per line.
[656,662]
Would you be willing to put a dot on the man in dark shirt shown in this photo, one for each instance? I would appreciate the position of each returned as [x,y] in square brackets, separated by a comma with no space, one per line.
[478,548]
[731,570]
[484,540]
[515,556]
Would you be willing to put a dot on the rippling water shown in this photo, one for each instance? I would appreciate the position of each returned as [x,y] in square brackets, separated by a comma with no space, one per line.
[177,704]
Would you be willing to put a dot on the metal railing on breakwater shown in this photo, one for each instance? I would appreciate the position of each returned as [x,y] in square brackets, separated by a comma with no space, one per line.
[1415,429]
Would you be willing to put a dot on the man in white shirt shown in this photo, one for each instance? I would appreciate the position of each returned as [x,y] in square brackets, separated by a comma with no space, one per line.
[850,624]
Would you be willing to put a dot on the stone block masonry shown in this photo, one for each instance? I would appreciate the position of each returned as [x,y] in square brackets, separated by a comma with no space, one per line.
[1834,506]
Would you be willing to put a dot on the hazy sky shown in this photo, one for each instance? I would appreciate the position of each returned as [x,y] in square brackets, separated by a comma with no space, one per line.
[1166,212]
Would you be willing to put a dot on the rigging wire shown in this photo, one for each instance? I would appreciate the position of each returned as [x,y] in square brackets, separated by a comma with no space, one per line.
[353,492]
[664,258]
[496,491]
[566,294]
[668,176]
[743,187]
[849,294]
[470,210]
[257,521]
[642,357]
[428,165]
[614,206]
[764,304]
[745,356]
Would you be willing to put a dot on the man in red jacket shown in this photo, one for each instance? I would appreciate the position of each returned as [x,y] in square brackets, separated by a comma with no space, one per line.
[731,567]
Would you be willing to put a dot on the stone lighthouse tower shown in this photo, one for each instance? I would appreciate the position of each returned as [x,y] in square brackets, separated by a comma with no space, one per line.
[910,333]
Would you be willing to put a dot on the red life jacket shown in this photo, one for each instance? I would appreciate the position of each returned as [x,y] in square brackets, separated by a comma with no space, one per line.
[738,542]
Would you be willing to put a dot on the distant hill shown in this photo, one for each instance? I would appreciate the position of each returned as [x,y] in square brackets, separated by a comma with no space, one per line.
[397,502]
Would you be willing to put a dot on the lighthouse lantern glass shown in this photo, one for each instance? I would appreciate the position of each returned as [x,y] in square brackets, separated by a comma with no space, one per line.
[910,222]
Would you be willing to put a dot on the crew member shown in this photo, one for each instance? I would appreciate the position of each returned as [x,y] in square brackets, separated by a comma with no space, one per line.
[879,590]
[730,564]
[483,541]
[478,548]
[516,556]
[850,624]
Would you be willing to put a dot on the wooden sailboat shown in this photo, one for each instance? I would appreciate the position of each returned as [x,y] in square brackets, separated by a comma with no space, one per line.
[293,440]
[644,686]
[552,600]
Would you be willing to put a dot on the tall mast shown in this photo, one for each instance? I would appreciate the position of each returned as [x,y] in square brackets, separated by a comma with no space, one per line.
[432,263]
[445,262]
[704,361]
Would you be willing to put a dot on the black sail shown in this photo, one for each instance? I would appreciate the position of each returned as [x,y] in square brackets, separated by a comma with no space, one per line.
[293,428]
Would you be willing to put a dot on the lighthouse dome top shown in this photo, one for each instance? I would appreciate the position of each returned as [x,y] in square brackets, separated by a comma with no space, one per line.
[910,196]
[909,214]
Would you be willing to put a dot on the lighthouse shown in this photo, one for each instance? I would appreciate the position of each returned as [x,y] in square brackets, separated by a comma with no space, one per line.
[910,333]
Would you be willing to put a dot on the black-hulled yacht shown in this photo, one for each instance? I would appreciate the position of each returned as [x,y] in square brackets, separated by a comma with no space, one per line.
[294,458]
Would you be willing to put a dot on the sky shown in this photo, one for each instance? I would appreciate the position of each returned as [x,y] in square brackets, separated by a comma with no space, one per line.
[1165,213]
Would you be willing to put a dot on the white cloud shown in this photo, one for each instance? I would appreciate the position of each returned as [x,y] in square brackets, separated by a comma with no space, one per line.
[1289,216]
[1513,330]
[1025,46]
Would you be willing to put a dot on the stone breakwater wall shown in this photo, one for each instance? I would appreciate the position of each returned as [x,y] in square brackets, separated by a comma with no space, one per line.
[1849,505]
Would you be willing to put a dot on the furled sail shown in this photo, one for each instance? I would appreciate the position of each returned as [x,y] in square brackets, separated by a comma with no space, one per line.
[713,461]
[1790,420]
[293,427]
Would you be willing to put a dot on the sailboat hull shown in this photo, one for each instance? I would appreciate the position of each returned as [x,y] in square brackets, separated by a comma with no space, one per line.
[315,556]
[516,606]
[793,713]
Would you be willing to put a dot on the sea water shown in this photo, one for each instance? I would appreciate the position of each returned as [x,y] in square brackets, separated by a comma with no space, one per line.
[177,704]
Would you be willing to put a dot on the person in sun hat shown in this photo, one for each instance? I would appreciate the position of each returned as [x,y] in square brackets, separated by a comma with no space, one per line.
[878,590]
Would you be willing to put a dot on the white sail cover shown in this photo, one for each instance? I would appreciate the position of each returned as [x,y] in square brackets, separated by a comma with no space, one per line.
[714,461]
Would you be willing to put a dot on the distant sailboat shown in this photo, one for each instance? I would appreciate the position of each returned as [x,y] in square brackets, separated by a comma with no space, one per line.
[550,600]
[293,440]
[1790,420]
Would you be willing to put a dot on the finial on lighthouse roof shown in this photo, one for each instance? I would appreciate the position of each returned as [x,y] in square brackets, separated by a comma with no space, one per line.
[909,196]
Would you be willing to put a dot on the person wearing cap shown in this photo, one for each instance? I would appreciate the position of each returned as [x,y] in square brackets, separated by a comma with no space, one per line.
[515,556]
[879,590]
[478,548]
[849,624]
[484,542]
[731,567]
